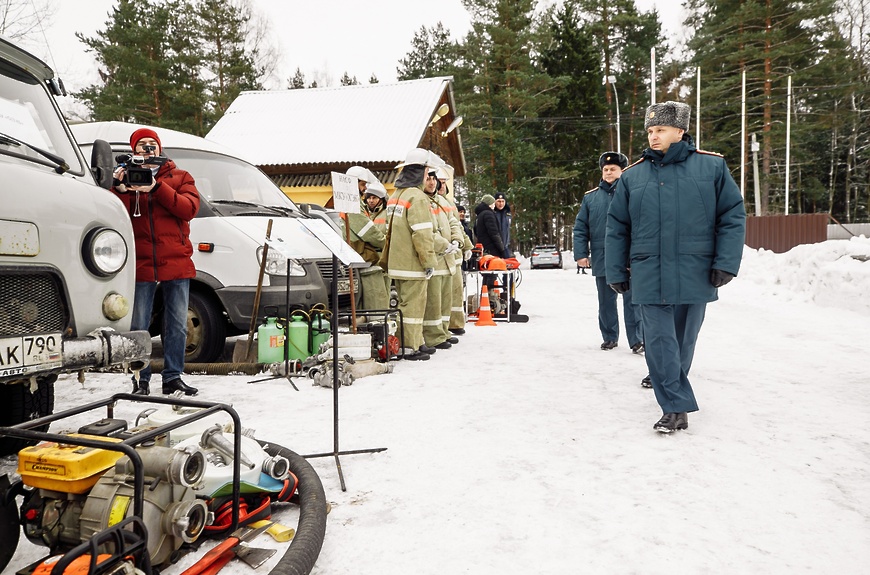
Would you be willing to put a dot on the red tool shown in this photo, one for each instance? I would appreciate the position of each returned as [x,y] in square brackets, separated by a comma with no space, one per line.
[232,546]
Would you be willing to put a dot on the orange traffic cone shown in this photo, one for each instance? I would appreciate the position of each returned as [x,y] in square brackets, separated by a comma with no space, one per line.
[484,315]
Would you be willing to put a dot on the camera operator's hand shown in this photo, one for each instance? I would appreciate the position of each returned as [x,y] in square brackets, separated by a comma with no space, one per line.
[144,189]
[118,179]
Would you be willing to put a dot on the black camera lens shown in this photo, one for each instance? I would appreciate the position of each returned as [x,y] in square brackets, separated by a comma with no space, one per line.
[138,177]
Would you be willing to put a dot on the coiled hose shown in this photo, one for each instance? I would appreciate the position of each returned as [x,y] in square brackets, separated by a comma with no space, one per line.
[305,547]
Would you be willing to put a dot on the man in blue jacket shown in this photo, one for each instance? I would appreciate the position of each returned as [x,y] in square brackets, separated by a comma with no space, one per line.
[676,225]
[589,230]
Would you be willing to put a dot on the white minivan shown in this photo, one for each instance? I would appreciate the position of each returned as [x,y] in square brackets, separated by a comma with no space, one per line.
[237,201]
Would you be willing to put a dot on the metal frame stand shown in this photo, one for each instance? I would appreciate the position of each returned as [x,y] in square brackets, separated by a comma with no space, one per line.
[511,275]
[336,451]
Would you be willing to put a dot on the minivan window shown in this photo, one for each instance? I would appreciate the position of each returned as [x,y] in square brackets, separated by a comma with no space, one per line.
[229,180]
[28,117]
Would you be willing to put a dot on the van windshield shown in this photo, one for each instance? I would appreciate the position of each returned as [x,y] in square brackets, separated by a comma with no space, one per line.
[31,121]
[226,180]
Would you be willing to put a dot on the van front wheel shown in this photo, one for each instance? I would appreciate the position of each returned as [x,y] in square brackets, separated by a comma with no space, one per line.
[20,404]
[206,330]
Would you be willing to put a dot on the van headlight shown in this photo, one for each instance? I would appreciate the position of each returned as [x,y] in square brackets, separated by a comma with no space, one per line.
[276,264]
[104,252]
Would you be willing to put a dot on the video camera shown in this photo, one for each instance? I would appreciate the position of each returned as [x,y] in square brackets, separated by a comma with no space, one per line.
[134,175]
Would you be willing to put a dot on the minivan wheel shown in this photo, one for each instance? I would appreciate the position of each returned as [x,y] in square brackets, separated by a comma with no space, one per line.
[19,404]
[206,330]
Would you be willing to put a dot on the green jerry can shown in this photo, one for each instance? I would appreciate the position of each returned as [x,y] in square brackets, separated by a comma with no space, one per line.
[297,338]
[270,341]
[320,330]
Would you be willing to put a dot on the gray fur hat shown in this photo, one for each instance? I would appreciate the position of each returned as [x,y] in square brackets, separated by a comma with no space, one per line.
[674,114]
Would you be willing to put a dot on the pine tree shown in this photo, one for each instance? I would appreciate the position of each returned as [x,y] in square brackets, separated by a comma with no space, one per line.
[228,62]
[504,94]
[135,65]
[623,38]
[175,63]
[187,95]
[297,81]
[574,127]
[770,40]
[346,80]
[433,53]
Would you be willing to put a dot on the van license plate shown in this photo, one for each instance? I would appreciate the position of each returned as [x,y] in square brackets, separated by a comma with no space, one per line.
[30,353]
[344,286]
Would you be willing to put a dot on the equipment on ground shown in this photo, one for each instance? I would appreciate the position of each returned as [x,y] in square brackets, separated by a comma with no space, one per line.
[211,479]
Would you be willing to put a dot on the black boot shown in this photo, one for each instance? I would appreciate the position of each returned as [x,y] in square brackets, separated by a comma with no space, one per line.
[178,385]
[671,422]
[141,389]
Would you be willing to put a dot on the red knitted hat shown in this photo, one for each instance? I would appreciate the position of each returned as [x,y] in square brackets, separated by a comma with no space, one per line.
[144,133]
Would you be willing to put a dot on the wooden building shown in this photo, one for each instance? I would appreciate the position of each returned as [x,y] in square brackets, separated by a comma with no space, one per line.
[298,137]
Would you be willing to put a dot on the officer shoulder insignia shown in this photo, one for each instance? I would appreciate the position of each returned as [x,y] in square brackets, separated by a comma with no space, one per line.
[635,163]
[708,153]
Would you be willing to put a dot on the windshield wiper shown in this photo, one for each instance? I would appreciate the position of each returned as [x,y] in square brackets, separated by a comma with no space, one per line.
[60,164]
[236,203]
[284,210]
[274,209]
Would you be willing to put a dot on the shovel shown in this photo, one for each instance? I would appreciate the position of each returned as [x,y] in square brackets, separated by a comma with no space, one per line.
[242,352]
[253,556]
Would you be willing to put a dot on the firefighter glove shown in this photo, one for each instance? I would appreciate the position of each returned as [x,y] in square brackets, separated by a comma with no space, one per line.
[452,248]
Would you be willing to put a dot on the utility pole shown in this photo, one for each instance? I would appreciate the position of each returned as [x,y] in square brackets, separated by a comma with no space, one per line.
[754,148]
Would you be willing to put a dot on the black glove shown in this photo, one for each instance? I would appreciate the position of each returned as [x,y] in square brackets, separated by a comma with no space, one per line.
[719,278]
[620,287]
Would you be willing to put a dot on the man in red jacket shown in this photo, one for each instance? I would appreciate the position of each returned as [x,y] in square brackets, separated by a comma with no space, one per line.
[160,211]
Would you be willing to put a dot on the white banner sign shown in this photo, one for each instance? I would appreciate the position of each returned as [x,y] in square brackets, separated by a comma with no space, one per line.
[345,193]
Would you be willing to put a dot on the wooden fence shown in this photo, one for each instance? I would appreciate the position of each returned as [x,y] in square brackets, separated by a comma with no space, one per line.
[781,233]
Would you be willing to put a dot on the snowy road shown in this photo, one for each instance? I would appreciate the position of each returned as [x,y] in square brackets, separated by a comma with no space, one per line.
[526,449]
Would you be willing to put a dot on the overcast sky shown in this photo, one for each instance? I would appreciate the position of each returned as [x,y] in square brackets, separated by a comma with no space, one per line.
[327,37]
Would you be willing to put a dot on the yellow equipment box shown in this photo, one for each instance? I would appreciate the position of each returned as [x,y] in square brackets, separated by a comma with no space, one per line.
[65,467]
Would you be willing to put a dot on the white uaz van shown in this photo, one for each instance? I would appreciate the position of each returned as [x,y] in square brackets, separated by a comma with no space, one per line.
[67,269]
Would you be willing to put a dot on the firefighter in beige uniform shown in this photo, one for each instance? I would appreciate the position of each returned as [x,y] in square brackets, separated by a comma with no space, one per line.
[409,256]
[456,324]
[375,199]
[439,296]
[367,240]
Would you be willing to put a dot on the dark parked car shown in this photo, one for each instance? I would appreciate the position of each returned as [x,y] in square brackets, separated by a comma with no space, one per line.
[545,256]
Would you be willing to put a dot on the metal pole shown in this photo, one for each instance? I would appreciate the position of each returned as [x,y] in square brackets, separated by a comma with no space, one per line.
[652,76]
[743,134]
[755,181]
[618,137]
[787,141]
[698,110]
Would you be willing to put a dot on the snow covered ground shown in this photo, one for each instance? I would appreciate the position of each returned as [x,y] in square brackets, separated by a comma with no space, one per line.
[527,449]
